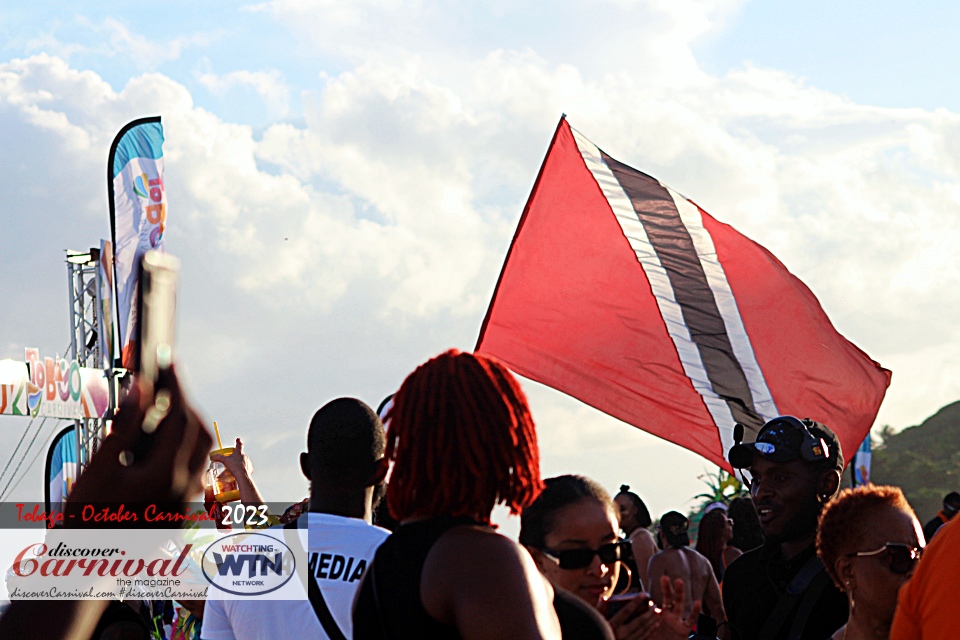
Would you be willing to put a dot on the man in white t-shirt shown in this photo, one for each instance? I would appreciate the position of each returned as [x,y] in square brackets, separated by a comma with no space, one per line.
[344,462]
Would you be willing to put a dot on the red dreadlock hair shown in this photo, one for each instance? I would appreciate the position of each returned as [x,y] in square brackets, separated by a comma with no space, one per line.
[463,440]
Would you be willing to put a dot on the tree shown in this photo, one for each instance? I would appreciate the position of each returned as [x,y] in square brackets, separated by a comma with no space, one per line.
[923,460]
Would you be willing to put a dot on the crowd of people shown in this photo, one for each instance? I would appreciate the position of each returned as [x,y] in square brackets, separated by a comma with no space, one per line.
[797,558]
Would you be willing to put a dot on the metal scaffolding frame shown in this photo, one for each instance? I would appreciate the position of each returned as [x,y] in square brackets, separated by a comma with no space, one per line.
[88,341]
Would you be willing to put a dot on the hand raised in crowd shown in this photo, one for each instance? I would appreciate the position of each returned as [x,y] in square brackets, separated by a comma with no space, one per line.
[163,470]
[241,466]
[673,625]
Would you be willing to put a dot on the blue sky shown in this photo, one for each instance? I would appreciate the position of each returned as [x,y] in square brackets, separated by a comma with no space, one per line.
[887,54]
[344,180]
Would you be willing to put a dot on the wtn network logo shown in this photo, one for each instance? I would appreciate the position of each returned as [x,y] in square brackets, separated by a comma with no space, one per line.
[249,564]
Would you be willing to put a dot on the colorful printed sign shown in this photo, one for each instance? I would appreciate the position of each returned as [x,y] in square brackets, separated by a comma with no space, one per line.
[56,388]
[138,215]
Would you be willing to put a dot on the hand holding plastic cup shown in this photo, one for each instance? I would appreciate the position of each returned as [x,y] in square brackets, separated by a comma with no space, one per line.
[220,478]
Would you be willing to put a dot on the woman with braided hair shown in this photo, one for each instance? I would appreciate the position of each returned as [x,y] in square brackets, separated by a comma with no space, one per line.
[462,440]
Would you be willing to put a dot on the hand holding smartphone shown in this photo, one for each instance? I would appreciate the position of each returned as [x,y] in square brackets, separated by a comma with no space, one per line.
[618,602]
[156,309]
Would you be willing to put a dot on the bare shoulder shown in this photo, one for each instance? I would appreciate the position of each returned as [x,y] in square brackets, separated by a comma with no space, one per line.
[488,587]
[658,559]
[699,561]
[730,554]
[472,557]
[473,564]
[476,546]
[643,538]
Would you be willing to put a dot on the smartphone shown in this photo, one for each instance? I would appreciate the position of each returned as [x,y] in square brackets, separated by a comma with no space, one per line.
[615,603]
[156,308]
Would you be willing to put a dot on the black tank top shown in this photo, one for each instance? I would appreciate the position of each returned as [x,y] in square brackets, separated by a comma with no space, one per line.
[388,605]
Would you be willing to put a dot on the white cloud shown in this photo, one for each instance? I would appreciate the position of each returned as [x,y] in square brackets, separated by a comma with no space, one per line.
[268,85]
[146,53]
[113,38]
[331,256]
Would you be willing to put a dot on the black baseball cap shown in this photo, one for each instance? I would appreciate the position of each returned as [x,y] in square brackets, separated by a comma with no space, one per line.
[787,438]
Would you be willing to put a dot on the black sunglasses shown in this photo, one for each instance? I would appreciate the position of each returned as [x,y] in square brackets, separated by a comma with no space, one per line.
[900,558]
[581,558]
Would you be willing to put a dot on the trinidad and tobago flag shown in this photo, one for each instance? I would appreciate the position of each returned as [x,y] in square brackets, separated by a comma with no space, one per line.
[624,294]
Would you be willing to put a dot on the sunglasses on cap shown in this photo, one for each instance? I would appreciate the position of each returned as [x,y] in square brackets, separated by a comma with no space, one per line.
[581,558]
[788,434]
[780,440]
[900,558]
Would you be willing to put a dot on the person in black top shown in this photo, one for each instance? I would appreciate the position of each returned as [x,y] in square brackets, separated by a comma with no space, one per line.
[571,532]
[462,440]
[747,532]
[780,591]
[951,505]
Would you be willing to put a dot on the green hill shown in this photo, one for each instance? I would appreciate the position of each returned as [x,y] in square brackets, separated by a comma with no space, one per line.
[923,460]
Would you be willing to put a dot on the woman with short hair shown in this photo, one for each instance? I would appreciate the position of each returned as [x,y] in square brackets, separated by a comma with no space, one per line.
[869,540]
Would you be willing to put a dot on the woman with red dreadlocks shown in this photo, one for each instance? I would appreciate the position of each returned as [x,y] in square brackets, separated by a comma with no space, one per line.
[462,440]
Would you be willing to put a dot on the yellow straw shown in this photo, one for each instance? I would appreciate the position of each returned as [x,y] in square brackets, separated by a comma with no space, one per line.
[217,429]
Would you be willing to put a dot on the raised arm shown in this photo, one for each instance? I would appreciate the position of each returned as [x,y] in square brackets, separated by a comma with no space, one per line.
[240,465]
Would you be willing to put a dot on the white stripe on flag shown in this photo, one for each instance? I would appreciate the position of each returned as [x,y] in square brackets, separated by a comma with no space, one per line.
[636,235]
[727,304]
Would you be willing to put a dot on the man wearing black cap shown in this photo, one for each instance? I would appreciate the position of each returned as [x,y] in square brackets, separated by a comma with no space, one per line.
[780,591]
[951,505]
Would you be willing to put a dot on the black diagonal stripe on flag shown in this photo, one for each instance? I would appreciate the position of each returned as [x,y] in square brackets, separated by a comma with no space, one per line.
[584,305]
[674,247]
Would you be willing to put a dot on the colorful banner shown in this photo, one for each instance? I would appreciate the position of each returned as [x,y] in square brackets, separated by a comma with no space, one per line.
[138,214]
[631,298]
[54,387]
[861,463]
[106,301]
[61,470]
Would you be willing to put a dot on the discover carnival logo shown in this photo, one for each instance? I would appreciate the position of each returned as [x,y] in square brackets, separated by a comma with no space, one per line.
[248,564]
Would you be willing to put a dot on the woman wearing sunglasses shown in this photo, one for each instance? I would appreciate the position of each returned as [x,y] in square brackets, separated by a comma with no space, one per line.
[571,532]
[869,541]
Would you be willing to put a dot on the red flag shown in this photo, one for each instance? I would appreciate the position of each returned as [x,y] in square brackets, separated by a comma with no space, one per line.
[621,293]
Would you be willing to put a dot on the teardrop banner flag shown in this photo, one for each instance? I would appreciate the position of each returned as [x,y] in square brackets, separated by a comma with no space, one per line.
[138,215]
[624,294]
[61,470]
